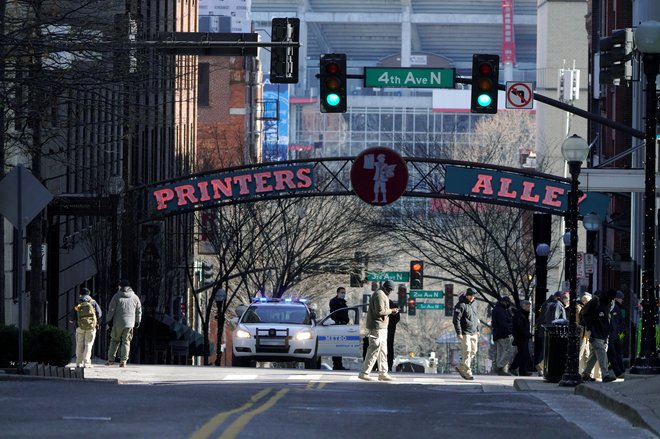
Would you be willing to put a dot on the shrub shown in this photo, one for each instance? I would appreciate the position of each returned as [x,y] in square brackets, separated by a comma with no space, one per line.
[9,346]
[48,345]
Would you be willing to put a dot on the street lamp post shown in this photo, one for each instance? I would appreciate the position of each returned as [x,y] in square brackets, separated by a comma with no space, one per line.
[115,188]
[647,40]
[574,149]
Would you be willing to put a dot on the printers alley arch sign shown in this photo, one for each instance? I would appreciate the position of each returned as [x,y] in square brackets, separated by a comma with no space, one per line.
[328,176]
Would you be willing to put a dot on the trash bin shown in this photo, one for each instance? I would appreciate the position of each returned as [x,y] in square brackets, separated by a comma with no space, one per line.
[555,346]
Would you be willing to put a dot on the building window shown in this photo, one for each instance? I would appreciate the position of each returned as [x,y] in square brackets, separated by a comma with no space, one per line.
[203,85]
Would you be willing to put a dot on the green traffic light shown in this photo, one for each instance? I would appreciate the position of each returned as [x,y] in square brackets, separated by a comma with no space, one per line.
[332,99]
[484,100]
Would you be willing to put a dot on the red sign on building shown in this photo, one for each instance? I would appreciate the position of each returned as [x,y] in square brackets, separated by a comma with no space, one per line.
[379,176]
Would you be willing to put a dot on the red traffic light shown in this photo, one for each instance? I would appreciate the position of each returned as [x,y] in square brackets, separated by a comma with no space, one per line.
[416,266]
[485,68]
[332,68]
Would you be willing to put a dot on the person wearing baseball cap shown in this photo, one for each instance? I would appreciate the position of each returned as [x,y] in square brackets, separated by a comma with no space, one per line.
[466,324]
[377,321]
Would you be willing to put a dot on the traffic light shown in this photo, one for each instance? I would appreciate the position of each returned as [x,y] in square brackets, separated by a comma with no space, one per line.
[449,300]
[403,298]
[206,272]
[485,76]
[416,275]
[333,83]
[412,307]
[615,57]
[284,59]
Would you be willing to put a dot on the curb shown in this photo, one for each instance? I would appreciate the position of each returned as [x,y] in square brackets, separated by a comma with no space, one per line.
[638,414]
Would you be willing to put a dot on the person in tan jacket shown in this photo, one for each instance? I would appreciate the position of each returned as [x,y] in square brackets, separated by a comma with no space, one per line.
[377,321]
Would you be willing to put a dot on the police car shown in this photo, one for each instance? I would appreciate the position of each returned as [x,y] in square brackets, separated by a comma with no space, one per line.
[286,330]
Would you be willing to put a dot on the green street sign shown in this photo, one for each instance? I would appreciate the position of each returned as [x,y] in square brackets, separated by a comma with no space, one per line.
[426,294]
[426,305]
[394,276]
[410,77]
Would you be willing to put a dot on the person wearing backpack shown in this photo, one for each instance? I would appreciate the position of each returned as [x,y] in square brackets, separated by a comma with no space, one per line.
[88,314]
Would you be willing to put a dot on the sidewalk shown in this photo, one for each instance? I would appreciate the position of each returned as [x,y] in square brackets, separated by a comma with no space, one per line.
[637,398]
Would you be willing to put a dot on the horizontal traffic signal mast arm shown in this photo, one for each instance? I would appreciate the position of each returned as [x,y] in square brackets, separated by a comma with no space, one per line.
[571,109]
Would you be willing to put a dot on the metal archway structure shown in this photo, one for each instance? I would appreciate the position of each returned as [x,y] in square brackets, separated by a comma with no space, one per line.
[428,178]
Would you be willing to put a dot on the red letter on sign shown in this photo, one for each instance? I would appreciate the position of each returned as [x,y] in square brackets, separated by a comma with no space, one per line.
[504,189]
[528,186]
[484,184]
[162,197]
[186,191]
[551,194]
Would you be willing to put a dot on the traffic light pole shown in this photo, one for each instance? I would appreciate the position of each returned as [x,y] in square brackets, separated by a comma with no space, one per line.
[571,109]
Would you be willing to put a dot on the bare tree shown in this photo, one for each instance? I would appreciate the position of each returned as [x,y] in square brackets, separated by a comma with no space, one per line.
[484,246]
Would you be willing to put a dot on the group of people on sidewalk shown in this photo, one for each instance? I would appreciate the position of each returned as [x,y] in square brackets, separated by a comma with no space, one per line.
[123,317]
[601,319]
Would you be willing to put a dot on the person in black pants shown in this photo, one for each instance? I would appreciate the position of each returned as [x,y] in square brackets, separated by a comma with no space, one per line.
[391,329]
[614,346]
[521,336]
[340,317]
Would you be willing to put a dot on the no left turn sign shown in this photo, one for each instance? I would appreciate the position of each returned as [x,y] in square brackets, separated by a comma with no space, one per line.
[519,95]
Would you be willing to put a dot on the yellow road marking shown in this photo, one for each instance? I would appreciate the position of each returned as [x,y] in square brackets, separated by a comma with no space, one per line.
[218,419]
[232,431]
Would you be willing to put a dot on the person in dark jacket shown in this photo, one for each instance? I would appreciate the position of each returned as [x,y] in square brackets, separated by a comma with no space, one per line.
[540,332]
[466,324]
[502,324]
[557,310]
[614,345]
[340,317]
[391,330]
[521,336]
[596,316]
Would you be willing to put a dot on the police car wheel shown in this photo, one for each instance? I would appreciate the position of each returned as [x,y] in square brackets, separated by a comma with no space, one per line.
[313,363]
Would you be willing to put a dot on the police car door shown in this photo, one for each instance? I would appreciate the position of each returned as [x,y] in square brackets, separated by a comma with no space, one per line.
[340,340]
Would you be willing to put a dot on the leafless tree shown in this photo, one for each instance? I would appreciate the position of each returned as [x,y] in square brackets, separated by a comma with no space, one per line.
[484,246]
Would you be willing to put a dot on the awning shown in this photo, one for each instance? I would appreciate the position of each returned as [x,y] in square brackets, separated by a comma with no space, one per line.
[180,331]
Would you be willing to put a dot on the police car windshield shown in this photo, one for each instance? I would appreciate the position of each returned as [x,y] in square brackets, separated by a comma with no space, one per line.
[296,315]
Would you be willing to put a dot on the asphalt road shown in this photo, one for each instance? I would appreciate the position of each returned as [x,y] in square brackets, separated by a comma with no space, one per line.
[197,402]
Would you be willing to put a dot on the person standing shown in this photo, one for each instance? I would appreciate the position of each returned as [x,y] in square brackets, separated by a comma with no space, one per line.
[88,314]
[466,324]
[502,323]
[614,345]
[521,336]
[596,316]
[391,330]
[557,309]
[585,348]
[377,320]
[124,315]
[539,340]
[339,313]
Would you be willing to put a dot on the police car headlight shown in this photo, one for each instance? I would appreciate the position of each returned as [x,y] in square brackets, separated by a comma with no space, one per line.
[304,335]
[242,333]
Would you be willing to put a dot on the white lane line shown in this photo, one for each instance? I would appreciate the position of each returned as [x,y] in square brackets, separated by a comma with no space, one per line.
[239,377]
[86,418]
